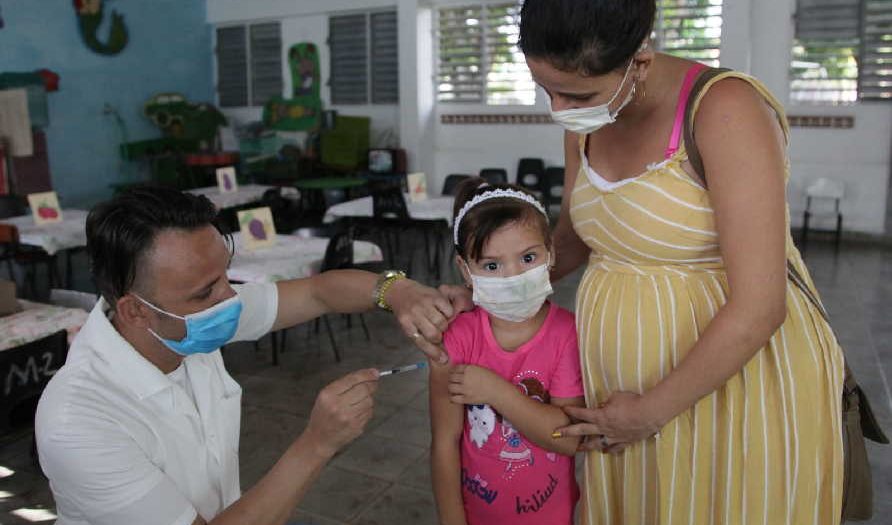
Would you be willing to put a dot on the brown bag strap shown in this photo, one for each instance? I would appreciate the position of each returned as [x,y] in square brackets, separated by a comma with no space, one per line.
[869,423]
[689,143]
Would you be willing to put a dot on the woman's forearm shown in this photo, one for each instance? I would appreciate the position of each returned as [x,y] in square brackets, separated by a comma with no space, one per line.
[732,338]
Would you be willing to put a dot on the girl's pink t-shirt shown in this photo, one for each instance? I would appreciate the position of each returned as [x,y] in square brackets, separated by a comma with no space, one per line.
[505,477]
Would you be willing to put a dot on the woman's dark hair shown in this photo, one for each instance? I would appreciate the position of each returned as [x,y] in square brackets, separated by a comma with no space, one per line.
[484,219]
[592,37]
[122,230]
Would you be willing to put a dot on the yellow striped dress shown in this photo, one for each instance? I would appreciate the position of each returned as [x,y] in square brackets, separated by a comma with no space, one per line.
[766,448]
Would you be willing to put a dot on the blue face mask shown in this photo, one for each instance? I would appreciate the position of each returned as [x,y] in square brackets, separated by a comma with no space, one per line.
[206,331]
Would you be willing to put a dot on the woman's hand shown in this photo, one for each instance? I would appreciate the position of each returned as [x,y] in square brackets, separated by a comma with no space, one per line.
[424,313]
[624,419]
[474,385]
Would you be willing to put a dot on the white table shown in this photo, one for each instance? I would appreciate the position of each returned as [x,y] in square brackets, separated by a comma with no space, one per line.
[38,320]
[243,195]
[70,232]
[434,208]
[291,257]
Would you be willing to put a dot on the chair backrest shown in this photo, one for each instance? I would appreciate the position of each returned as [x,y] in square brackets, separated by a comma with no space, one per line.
[531,173]
[450,185]
[826,188]
[554,185]
[11,206]
[9,234]
[25,370]
[388,202]
[494,175]
[339,252]
[73,299]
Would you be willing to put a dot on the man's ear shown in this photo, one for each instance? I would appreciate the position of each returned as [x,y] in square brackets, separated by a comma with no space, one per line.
[133,312]
[463,268]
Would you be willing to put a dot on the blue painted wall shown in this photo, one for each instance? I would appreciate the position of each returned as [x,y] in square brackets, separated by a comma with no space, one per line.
[170,49]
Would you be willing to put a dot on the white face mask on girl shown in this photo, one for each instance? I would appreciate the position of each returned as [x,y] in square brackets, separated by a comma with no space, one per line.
[515,299]
[588,120]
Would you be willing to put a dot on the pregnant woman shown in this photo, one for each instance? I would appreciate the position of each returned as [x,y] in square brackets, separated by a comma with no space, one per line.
[712,385]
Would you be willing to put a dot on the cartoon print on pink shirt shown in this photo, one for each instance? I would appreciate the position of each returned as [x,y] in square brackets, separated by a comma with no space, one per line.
[482,420]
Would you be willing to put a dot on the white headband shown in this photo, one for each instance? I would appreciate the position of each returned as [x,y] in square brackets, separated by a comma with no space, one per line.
[494,194]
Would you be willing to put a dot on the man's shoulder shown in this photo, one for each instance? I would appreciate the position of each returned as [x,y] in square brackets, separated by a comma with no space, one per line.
[77,392]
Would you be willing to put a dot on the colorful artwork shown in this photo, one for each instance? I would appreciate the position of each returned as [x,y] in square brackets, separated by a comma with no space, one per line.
[303,111]
[181,119]
[45,207]
[417,183]
[89,17]
[304,62]
[257,228]
[226,179]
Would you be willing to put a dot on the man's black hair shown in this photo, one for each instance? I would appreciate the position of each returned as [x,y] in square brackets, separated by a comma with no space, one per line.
[122,230]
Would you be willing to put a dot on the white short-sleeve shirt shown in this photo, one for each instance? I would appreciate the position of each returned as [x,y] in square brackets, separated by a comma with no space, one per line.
[123,443]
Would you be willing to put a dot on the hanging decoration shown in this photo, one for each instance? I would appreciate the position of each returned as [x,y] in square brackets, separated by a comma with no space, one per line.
[89,17]
[304,110]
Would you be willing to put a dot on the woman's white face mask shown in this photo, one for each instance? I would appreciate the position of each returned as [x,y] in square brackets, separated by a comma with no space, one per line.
[588,120]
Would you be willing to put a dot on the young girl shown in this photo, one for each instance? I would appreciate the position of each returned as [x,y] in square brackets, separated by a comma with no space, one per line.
[513,364]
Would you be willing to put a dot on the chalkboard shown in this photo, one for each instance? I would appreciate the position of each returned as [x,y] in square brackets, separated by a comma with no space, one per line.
[24,372]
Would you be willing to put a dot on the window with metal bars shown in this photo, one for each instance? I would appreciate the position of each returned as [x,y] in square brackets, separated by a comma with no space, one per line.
[364,58]
[842,51]
[478,60]
[690,29]
[249,64]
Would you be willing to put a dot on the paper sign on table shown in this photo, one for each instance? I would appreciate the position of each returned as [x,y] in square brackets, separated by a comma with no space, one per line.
[45,207]
[226,179]
[257,228]
[417,183]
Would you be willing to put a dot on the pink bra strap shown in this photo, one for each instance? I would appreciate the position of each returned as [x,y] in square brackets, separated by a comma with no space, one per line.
[690,77]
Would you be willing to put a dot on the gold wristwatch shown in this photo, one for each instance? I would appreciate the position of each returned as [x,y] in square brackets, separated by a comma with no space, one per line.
[385,281]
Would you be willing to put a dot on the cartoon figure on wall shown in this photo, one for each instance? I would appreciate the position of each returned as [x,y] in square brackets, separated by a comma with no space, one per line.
[89,17]
[304,62]
[303,111]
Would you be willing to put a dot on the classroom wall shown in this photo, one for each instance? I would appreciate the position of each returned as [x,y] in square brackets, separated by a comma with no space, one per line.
[305,22]
[169,50]
[757,36]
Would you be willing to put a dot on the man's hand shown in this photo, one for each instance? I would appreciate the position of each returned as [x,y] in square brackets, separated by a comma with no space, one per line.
[424,313]
[474,385]
[342,410]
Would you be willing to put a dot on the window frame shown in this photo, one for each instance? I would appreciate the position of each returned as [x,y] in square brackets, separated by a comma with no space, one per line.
[249,66]
[859,51]
[367,14]
[483,106]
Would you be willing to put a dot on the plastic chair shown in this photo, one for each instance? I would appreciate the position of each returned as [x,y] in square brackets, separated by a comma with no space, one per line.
[73,299]
[531,175]
[11,206]
[450,185]
[494,175]
[553,186]
[28,257]
[828,190]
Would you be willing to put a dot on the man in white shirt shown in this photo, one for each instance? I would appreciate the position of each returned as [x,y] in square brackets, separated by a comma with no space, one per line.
[141,425]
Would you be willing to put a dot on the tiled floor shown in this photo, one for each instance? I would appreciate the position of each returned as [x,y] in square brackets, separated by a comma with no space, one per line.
[383,478]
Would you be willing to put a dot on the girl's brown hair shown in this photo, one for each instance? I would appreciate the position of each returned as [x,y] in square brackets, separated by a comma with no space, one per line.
[484,219]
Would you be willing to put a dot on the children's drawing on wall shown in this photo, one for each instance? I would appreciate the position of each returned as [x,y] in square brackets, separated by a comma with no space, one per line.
[302,112]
